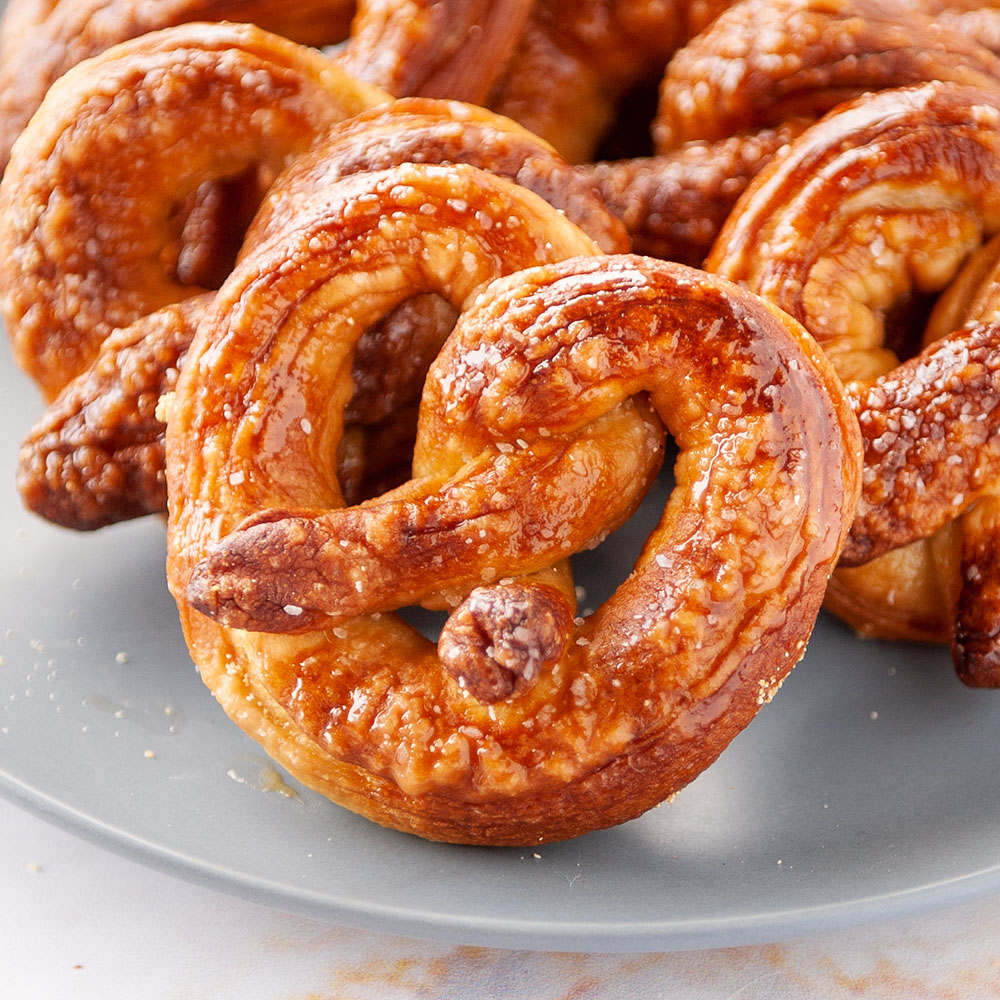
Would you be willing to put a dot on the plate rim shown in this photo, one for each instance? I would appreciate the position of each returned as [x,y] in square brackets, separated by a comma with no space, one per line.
[592,937]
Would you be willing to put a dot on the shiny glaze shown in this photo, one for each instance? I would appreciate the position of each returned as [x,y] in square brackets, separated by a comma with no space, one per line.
[522,423]
[736,94]
[96,456]
[883,198]
[577,58]
[454,49]
[435,48]
[41,39]
[674,204]
[90,207]
[972,304]
[558,66]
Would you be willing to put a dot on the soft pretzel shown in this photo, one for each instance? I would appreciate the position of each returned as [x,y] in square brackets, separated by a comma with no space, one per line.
[453,49]
[557,66]
[979,19]
[529,447]
[131,136]
[741,90]
[41,39]
[96,456]
[879,202]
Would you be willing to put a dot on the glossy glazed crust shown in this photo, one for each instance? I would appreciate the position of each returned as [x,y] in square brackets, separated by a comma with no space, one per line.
[522,422]
[96,456]
[972,306]
[880,199]
[673,205]
[765,62]
[577,58]
[435,48]
[979,19]
[734,96]
[41,39]
[455,49]
[73,463]
[130,136]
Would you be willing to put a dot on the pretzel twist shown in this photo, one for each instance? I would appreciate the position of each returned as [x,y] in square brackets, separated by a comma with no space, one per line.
[740,91]
[522,418]
[577,59]
[532,441]
[881,201]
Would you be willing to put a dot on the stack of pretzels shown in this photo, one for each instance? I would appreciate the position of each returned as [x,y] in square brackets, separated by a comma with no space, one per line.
[344,293]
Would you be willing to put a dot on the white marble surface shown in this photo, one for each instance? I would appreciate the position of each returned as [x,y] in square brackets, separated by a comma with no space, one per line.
[80,922]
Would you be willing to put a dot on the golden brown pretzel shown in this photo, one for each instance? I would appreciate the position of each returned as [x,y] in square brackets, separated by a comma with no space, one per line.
[747,85]
[435,48]
[972,301]
[96,457]
[132,135]
[979,19]
[453,49]
[880,201]
[524,453]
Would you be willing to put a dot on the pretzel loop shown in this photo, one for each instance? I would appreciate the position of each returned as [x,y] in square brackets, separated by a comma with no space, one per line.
[96,456]
[131,136]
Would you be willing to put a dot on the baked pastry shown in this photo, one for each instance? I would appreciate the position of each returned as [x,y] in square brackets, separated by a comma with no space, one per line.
[745,87]
[131,136]
[578,59]
[96,455]
[534,440]
[872,208]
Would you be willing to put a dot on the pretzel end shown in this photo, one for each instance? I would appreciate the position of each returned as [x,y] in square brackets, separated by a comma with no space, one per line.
[239,583]
[498,641]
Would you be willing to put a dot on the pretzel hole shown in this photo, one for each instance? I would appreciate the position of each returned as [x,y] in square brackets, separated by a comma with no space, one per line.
[905,321]
[599,571]
[376,451]
[209,226]
[631,133]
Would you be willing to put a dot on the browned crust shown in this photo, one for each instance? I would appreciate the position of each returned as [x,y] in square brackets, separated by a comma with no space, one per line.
[765,62]
[943,403]
[40,39]
[894,189]
[88,205]
[736,94]
[96,457]
[674,205]
[551,349]
[435,48]
[454,49]
[73,464]
[577,58]
[976,644]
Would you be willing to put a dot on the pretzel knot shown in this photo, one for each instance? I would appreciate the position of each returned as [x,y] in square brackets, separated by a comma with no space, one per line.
[536,439]
[871,210]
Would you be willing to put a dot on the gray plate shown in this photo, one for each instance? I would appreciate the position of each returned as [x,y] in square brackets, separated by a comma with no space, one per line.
[869,787]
